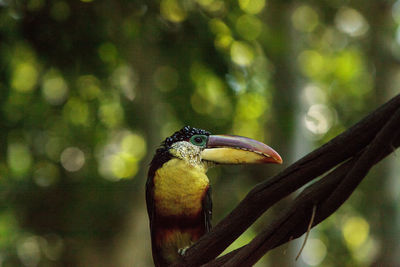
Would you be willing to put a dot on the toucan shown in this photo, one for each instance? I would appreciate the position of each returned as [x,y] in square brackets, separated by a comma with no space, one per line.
[178,193]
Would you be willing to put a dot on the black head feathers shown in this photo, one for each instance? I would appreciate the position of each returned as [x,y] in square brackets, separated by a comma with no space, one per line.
[183,134]
[162,154]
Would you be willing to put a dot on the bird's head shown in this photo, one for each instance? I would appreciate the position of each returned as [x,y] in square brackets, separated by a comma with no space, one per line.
[199,147]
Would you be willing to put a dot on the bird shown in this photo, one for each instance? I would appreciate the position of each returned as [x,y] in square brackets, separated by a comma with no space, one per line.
[178,192]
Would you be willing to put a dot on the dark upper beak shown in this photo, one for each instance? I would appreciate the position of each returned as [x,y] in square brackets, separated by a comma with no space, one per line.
[231,149]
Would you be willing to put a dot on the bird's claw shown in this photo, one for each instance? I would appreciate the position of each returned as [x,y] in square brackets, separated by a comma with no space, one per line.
[182,251]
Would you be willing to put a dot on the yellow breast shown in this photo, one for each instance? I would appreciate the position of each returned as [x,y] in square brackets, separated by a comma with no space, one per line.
[179,188]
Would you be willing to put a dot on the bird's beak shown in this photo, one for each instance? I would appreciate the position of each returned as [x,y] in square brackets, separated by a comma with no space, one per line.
[231,149]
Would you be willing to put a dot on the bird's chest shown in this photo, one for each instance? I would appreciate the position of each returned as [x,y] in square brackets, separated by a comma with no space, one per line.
[179,189]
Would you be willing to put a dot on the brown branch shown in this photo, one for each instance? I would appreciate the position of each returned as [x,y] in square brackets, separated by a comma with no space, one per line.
[321,188]
[328,194]
[345,146]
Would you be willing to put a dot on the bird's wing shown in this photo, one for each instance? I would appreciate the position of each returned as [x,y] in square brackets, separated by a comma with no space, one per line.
[207,209]
[150,207]
[159,159]
[150,212]
[149,198]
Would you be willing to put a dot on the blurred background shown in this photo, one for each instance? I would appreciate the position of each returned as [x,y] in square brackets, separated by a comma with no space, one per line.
[89,89]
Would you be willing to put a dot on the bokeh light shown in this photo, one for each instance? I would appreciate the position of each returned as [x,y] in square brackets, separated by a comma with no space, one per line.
[314,252]
[249,27]
[350,21]
[313,94]
[46,174]
[54,147]
[54,87]
[25,76]
[249,111]
[19,159]
[29,251]
[252,6]
[212,5]
[108,52]
[242,53]
[217,26]
[210,94]
[319,119]
[312,63]
[76,111]
[72,159]
[348,65]
[52,246]
[250,106]
[172,10]
[305,19]
[120,157]
[125,79]
[367,253]
[25,68]
[111,113]
[89,87]
[355,231]
[223,34]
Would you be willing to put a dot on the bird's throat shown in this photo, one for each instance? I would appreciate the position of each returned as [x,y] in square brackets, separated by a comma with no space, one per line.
[179,189]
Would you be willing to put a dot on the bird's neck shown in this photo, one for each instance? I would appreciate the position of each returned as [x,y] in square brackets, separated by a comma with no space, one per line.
[179,188]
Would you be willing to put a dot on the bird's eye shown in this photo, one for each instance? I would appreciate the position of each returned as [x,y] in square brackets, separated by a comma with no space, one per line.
[198,140]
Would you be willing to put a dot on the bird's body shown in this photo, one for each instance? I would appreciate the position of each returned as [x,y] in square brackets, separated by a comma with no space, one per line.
[178,193]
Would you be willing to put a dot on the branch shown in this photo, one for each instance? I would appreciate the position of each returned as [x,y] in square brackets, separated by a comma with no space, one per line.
[328,194]
[343,147]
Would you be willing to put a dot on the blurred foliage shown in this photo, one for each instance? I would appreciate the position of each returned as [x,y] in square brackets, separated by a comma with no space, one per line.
[89,88]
